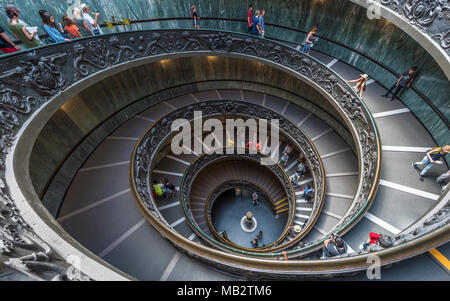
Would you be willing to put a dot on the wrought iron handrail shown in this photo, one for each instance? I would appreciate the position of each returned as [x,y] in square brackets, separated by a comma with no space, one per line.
[359,53]
[144,156]
[211,157]
[221,188]
[32,79]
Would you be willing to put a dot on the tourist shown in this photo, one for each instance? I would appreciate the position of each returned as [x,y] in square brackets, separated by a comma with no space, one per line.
[307,193]
[53,30]
[431,158]
[285,155]
[283,159]
[373,239]
[301,170]
[11,10]
[287,149]
[310,40]
[444,178]
[194,17]
[334,246]
[403,82]
[157,188]
[295,179]
[260,235]
[256,30]
[255,198]
[70,27]
[261,22]
[255,242]
[6,45]
[360,84]
[83,28]
[294,230]
[249,19]
[169,189]
[21,32]
[92,23]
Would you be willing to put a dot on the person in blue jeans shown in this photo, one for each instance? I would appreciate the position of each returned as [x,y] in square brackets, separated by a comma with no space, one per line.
[403,82]
[430,159]
[307,193]
[261,22]
[310,40]
[256,29]
[255,198]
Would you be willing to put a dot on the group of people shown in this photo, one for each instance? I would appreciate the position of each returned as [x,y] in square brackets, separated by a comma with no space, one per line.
[165,189]
[84,23]
[257,239]
[255,23]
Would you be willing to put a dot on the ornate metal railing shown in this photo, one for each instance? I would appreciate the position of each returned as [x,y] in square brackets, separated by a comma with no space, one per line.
[231,185]
[146,150]
[429,16]
[31,80]
[211,158]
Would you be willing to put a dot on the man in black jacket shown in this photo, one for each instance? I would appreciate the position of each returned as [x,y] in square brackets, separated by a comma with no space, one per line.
[334,246]
[403,82]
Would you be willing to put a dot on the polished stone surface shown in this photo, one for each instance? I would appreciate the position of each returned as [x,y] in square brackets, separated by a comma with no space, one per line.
[228,211]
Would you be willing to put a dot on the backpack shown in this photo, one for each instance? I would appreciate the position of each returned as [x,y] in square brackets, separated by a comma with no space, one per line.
[435,149]
[158,189]
[385,241]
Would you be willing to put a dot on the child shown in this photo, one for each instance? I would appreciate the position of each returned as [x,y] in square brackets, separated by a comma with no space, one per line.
[70,27]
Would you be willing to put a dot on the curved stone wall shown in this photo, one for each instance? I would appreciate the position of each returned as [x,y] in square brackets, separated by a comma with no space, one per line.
[99,102]
[342,21]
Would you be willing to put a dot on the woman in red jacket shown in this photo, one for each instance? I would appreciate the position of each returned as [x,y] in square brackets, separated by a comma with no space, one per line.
[373,239]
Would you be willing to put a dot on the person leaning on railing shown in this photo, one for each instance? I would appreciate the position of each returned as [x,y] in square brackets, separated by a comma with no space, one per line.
[26,34]
[83,28]
[92,23]
[70,27]
[54,31]
[21,32]
[6,44]
[334,246]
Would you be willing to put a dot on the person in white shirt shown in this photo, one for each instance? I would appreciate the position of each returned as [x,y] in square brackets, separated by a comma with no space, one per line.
[92,23]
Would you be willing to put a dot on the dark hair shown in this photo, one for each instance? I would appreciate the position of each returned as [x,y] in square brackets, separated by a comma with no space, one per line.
[66,20]
[42,12]
[339,242]
[154,181]
[414,68]
[46,19]
[12,11]
[250,6]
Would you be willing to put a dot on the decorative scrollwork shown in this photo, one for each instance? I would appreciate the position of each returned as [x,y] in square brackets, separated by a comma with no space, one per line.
[29,79]
[429,16]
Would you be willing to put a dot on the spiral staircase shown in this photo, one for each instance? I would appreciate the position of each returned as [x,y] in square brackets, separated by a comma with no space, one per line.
[97,203]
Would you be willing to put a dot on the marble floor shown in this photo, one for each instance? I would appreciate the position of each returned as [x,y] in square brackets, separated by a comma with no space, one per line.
[228,211]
